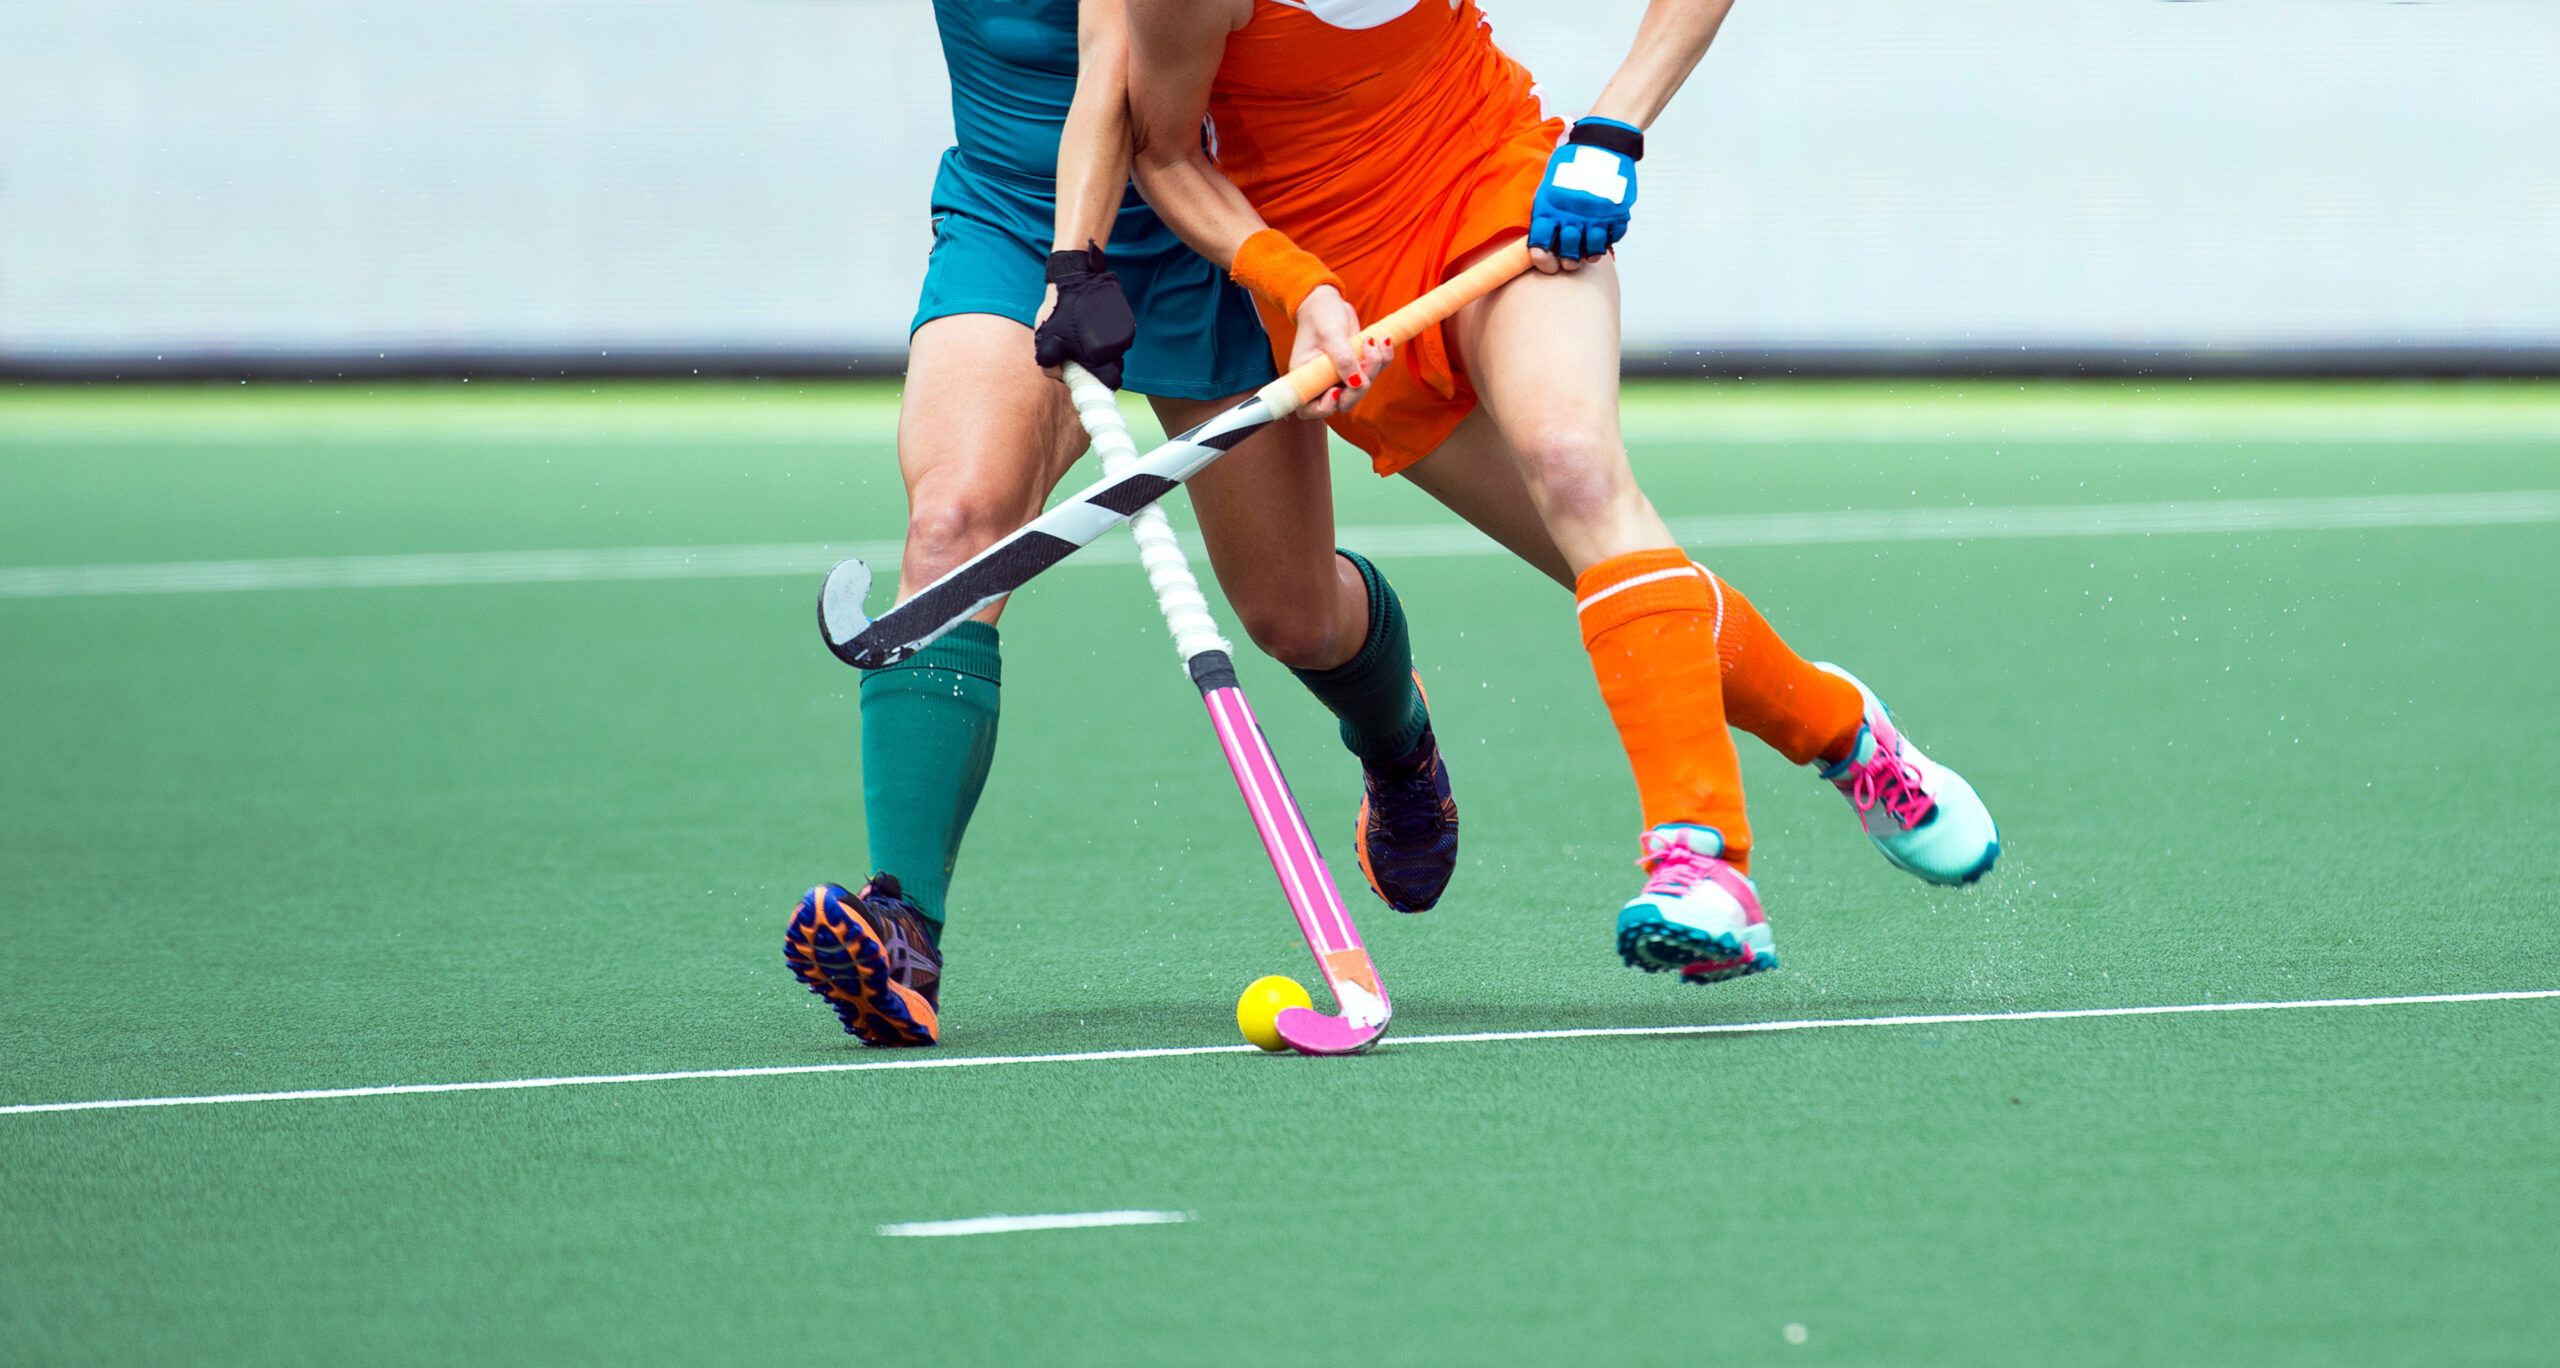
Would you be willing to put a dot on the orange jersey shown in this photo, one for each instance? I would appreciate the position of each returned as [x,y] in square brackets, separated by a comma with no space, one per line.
[1392,153]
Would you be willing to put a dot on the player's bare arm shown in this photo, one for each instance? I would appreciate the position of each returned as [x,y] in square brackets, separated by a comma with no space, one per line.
[1174,50]
[1587,200]
[1093,149]
[1084,317]
[1670,42]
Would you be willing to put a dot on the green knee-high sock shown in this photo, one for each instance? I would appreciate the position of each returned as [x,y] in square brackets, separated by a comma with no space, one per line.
[928,738]
[1381,708]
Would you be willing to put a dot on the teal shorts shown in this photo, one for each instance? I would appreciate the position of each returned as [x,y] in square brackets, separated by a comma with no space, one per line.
[1198,336]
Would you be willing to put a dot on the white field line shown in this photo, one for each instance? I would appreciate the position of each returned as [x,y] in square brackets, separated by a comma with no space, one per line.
[1006,1225]
[442,569]
[930,1061]
[1451,538]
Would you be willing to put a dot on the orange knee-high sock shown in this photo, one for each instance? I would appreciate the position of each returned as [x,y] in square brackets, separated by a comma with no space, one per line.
[1771,692]
[1649,621]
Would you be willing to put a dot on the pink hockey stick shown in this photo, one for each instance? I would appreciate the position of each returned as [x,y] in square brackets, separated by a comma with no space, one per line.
[1304,879]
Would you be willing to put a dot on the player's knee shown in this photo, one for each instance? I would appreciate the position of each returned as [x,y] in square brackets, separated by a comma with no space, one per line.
[1567,447]
[1297,632]
[950,522]
[1576,472]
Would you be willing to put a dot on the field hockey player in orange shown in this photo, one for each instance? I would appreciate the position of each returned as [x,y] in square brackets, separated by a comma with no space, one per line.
[1357,152]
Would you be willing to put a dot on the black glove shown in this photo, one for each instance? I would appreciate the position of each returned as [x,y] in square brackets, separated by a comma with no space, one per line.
[1092,325]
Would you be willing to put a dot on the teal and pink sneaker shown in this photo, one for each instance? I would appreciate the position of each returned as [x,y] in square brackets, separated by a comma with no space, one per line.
[1924,817]
[1697,916]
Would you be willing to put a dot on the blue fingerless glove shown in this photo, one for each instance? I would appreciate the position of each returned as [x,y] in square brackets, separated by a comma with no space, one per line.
[1589,192]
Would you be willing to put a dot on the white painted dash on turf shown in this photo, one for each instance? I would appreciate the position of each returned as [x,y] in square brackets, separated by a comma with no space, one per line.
[1006,1225]
[926,1061]
[1405,541]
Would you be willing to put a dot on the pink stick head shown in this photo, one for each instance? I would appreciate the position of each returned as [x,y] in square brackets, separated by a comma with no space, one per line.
[1311,1032]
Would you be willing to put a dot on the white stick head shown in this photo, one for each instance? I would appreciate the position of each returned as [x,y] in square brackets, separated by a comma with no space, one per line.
[840,613]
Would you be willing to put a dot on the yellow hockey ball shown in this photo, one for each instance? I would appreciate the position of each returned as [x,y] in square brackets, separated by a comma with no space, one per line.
[1258,1011]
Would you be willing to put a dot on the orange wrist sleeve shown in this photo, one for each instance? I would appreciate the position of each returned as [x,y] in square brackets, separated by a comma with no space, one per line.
[1279,271]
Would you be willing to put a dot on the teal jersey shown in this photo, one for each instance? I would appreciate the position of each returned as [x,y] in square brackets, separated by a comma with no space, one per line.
[1013,74]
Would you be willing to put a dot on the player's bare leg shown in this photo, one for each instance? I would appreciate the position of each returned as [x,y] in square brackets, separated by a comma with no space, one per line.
[1474,474]
[1543,353]
[983,437]
[1266,513]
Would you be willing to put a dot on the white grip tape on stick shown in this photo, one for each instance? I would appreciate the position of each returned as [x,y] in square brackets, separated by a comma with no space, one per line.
[1186,609]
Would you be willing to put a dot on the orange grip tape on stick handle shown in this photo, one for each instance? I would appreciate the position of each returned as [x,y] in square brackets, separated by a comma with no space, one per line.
[1302,385]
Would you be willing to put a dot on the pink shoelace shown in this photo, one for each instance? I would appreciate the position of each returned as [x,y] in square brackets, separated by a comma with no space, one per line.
[1671,865]
[1889,779]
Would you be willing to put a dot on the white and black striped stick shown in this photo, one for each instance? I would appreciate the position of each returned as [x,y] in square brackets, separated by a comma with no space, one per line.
[869,643]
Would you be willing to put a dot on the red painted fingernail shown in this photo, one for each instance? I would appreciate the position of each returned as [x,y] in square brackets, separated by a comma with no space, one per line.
[1355,382]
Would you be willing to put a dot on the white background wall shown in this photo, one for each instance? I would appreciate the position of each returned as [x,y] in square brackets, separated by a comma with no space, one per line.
[216,178]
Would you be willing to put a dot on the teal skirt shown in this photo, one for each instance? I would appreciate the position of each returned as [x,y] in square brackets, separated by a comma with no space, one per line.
[1198,336]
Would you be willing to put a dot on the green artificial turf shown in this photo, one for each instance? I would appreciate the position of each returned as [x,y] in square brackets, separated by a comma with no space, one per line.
[343,837]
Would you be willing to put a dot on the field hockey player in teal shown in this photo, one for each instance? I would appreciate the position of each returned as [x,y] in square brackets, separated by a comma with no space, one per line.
[984,436]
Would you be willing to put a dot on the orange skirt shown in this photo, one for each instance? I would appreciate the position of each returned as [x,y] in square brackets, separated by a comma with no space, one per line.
[1422,395]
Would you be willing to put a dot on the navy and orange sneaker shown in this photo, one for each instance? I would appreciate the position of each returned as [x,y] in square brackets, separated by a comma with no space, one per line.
[1408,832]
[872,956]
